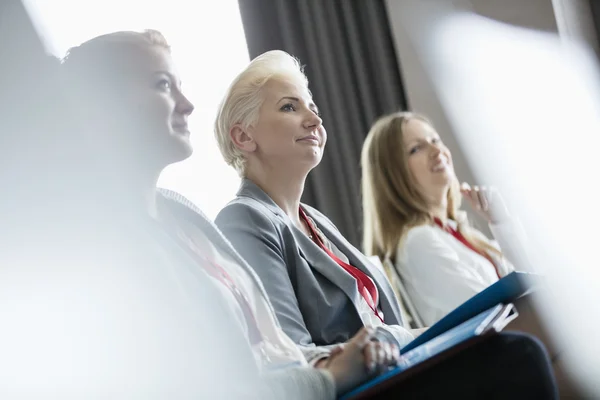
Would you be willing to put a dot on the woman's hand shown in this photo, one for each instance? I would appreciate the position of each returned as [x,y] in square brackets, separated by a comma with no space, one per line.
[379,356]
[353,362]
[486,201]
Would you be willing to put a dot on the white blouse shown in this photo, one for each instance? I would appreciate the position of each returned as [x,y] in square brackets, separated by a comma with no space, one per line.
[440,273]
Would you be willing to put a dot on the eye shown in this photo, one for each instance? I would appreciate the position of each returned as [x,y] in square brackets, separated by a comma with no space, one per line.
[436,140]
[318,113]
[164,84]
[288,107]
[414,149]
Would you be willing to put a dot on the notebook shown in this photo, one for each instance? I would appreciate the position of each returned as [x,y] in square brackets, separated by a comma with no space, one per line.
[487,322]
[506,290]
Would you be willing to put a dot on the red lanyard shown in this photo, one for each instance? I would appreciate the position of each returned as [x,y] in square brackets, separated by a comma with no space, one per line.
[219,273]
[365,284]
[464,241]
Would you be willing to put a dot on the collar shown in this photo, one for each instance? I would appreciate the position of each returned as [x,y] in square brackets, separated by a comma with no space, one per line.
[450,224]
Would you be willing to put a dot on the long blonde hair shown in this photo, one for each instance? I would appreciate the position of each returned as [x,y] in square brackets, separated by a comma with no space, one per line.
[392,203]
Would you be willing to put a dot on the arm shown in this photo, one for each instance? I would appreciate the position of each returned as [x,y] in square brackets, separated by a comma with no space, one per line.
[510,236]
[258,241]
[298,383]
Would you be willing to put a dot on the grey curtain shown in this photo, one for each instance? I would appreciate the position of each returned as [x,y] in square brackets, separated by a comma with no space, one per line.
[595,5]
[354,76]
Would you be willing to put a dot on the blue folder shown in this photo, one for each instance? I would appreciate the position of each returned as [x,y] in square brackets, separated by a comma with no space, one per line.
[458,326]
[476,326]
[506,290]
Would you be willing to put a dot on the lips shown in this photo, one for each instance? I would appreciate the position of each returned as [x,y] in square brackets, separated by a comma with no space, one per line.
[310,138]
[439,166]
[181,128]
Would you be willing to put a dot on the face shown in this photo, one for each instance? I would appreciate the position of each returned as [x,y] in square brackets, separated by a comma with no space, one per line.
[429,160]
[289,130]
[149,114]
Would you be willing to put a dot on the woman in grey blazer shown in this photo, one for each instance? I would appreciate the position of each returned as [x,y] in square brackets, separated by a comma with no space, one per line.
[318,282]
[322,288]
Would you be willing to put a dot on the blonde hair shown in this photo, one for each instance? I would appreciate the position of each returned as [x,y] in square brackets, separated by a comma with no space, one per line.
[101,46]
[90,69]
[392,203]
[243,99]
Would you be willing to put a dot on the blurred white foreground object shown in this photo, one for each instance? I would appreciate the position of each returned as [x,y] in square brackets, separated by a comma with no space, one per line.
[525,108]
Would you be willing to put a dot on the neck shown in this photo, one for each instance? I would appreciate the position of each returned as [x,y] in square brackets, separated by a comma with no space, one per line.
[140,194]
[129,190]
[284,189]
[438,207]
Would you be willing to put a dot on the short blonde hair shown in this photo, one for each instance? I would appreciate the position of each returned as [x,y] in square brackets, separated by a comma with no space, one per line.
[243,99]
[392,202]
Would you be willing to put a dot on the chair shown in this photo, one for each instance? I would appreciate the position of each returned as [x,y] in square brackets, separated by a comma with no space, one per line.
[409,312]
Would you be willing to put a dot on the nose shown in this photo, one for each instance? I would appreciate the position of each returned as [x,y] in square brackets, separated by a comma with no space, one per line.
[312,121]
[434,150]
[184,106]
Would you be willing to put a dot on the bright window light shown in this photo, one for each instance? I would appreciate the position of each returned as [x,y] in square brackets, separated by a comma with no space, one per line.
[209,49]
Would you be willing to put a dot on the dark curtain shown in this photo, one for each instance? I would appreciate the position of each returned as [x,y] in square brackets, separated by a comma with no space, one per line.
[595,5]
[353,72]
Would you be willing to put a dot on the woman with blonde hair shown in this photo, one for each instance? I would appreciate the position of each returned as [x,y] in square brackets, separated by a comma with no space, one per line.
[322,288]
[412,217]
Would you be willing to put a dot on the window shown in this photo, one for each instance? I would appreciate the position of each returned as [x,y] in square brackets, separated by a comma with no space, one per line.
[209,48]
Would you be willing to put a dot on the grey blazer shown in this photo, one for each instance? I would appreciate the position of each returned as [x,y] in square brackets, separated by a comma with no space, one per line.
[315,299]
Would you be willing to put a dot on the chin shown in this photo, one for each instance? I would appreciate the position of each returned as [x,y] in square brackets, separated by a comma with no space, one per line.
[179,151]
[315,159]
[185,153]
[443,180]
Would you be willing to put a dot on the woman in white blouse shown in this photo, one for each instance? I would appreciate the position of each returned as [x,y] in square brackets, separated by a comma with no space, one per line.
[411,200]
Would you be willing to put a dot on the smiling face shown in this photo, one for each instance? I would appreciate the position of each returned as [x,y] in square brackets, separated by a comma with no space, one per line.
[132,106]
[289,131]
[154,110]
[429,160]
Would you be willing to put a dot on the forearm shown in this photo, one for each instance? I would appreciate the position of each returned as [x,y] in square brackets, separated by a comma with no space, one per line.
[394,334]
[298,383]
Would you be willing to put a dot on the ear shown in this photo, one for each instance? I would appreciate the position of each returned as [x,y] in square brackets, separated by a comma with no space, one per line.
[242,139]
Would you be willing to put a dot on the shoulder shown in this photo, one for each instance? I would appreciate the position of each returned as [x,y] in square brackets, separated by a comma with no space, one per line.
[247,212]
[184,209]
[422,234]
[175,199]
[422,241]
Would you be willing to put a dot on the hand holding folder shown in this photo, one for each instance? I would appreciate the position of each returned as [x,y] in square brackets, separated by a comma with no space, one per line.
[485,313]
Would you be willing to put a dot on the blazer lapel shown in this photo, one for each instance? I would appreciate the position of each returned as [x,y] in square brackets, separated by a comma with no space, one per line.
[316,258]
[387,298]
[320,261]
